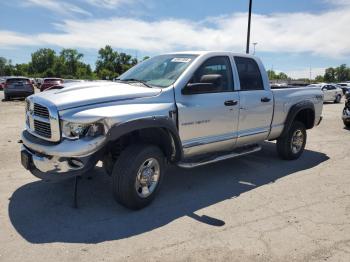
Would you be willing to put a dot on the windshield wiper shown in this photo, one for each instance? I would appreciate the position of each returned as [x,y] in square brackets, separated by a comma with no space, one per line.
[134,80]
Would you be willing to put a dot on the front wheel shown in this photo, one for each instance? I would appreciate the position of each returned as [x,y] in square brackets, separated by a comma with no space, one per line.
[137,175]
[292,145]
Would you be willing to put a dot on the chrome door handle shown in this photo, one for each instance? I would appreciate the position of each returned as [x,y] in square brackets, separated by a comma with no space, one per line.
[265,99]
[231,103]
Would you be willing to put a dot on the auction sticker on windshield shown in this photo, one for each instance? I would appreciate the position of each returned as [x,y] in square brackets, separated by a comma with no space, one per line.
[181,60]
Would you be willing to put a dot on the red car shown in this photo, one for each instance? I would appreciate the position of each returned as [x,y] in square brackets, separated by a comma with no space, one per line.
[50,82]
[2,83]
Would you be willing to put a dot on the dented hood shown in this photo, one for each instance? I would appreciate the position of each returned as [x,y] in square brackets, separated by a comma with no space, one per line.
[87,93]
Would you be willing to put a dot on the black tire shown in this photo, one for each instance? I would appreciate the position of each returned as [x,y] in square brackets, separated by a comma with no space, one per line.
[125,171]
[346,123]
[337,99]
[284,144]
[6,97]
[108,164]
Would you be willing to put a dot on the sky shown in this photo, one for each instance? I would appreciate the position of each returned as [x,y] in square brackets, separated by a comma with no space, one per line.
[293,36]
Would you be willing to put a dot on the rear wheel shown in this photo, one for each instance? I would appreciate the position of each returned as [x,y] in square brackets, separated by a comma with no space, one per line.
[347,123]
[6,97]
[137,175]
[337,99]
[292,145]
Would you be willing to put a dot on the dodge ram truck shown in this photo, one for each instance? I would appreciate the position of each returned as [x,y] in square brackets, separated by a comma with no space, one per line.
[187,109]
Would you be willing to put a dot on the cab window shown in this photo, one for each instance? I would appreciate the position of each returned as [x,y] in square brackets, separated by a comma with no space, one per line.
[219,67]
[249,74]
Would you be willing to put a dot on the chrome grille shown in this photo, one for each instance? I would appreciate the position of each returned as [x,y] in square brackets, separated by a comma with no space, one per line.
[27,105]
[41,111]
[42,128]
[42,119]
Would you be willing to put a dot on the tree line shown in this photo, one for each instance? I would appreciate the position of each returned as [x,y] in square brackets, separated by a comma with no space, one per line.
[45,62]
[335,74]
[68,64]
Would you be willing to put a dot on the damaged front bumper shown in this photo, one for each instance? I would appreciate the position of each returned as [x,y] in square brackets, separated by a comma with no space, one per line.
[56,161]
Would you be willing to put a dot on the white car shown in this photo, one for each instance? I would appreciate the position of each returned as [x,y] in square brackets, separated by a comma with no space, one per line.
[345,87]
[331,92]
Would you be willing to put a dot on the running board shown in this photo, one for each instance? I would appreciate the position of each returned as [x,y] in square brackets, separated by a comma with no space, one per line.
[236,153]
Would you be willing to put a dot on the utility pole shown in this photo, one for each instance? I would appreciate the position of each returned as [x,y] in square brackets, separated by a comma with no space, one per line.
[310,74]
[248,31]
[254,44]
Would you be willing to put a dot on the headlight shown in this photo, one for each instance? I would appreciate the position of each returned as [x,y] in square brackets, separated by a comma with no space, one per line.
[77,130]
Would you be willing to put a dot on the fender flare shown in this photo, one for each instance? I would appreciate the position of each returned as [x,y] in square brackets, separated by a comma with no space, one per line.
[166,123]
[293,111]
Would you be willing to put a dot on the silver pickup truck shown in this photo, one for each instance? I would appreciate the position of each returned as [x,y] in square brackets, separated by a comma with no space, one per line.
[187,109]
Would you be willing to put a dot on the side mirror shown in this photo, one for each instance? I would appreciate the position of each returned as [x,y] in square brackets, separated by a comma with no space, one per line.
[207,84]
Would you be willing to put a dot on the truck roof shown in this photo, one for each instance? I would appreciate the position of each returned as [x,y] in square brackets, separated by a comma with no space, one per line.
[212,52]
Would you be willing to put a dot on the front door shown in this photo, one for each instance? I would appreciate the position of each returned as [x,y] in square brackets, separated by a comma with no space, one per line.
[208,118]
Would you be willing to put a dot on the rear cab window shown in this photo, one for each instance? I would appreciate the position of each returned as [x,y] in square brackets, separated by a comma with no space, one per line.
[249,74]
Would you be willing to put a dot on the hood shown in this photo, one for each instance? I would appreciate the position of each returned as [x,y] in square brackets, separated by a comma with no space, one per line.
[83,94]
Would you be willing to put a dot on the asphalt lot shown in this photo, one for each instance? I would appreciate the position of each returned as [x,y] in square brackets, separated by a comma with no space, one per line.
[253,208]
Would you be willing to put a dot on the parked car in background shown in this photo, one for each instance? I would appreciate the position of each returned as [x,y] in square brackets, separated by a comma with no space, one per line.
[18,87]
[49,82]
[38,82]
[346,111]
[345,87]
[67,83]
[331,92]
[2,83]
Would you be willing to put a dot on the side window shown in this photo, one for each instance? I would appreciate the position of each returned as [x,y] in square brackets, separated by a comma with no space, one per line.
[219,66]
[249,74]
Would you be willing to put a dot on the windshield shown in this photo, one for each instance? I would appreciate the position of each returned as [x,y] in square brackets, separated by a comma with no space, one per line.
[160,71]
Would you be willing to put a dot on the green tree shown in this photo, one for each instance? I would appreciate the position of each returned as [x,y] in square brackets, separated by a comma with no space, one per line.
[282,76]
[273,76]
[106,62]
[42,60]
[111,64]
[330,75]
[3,63]
[342,73]
[319,78]
[71,58]
[21,70]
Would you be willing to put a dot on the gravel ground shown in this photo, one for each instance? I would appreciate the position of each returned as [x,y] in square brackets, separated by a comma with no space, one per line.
[253,208]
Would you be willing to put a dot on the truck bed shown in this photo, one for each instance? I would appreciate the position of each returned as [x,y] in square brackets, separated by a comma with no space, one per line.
[284,98]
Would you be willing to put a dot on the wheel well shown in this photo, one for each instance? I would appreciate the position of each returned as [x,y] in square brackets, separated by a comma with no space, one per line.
[306,116]
[160,137]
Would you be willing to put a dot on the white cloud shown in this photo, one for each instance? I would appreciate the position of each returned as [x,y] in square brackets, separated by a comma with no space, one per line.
[59,7]
[324,34]
[110,4]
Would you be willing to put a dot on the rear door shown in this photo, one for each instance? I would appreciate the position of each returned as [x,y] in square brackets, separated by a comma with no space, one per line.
[256,103]
[208,118]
